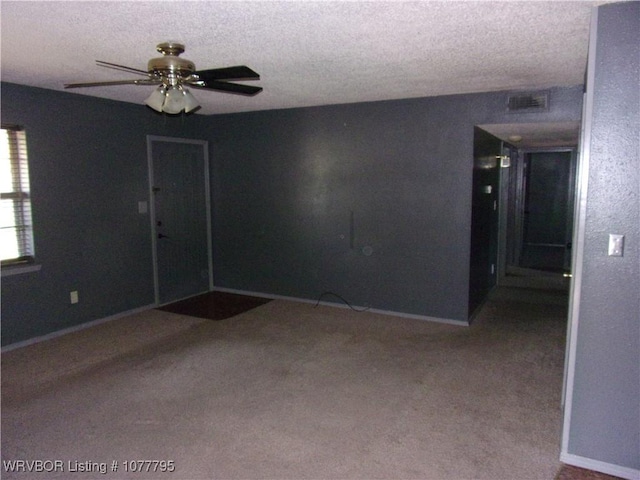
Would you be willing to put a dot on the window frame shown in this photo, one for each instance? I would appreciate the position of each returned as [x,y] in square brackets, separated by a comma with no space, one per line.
[21,196]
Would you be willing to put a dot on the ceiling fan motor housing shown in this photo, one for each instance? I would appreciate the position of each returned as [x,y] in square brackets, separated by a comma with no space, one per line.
[170,63]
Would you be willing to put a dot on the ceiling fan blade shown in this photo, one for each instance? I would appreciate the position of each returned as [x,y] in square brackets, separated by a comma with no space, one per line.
[116,82]
[228,87]
[124,68]
[239,72]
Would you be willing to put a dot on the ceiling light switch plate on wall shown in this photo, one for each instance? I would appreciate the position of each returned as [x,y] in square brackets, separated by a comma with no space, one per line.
[616,245]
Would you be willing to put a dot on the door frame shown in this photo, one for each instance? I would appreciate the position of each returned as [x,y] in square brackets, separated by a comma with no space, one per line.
[531,278]
[152,207]
[522,192]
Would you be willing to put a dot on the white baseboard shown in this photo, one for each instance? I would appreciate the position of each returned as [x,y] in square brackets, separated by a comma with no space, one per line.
[75,328]
[598,466]
[340,305]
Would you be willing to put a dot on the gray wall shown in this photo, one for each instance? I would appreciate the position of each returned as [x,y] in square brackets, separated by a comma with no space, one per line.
[88,169]
[285,186]
[288,183]
[484,218]
[605,396]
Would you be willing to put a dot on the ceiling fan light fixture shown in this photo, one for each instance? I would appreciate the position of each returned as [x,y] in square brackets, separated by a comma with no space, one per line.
[190,102]
[156,99]
[172,100]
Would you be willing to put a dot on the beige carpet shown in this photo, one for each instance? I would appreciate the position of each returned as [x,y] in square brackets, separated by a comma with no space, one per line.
[291,391]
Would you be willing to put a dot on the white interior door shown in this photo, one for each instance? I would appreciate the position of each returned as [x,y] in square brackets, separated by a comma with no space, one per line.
[180,217]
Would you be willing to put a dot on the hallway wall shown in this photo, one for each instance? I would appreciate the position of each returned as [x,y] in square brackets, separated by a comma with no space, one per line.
[602,424]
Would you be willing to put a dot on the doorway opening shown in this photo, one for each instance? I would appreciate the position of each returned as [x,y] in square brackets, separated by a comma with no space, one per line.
[536,203]
[544,220]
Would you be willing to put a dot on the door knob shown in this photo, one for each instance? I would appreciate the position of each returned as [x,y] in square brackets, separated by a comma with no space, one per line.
[160,235]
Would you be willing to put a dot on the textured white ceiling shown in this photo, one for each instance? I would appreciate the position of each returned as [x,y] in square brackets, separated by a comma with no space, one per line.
[307,53]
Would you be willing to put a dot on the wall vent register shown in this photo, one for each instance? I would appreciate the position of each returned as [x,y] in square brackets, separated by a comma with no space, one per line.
[528,102]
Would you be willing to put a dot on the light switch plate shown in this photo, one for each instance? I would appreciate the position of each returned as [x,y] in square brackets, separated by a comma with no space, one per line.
[616,245]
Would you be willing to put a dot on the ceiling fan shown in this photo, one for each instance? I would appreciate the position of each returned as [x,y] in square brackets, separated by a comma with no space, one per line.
[172,73]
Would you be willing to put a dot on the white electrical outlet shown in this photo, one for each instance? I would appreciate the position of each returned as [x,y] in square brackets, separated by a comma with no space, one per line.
[73,297]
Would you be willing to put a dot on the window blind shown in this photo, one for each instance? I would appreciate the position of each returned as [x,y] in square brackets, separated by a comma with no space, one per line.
[16,232]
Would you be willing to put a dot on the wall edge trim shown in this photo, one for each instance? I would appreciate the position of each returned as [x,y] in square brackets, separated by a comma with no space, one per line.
[600,466]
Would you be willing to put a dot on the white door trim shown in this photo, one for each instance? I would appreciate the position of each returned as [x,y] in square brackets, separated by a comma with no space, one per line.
[579,233]
[152,213]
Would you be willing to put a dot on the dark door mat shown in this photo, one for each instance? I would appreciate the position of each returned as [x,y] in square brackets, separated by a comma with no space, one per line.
[569,472]
[215,305]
